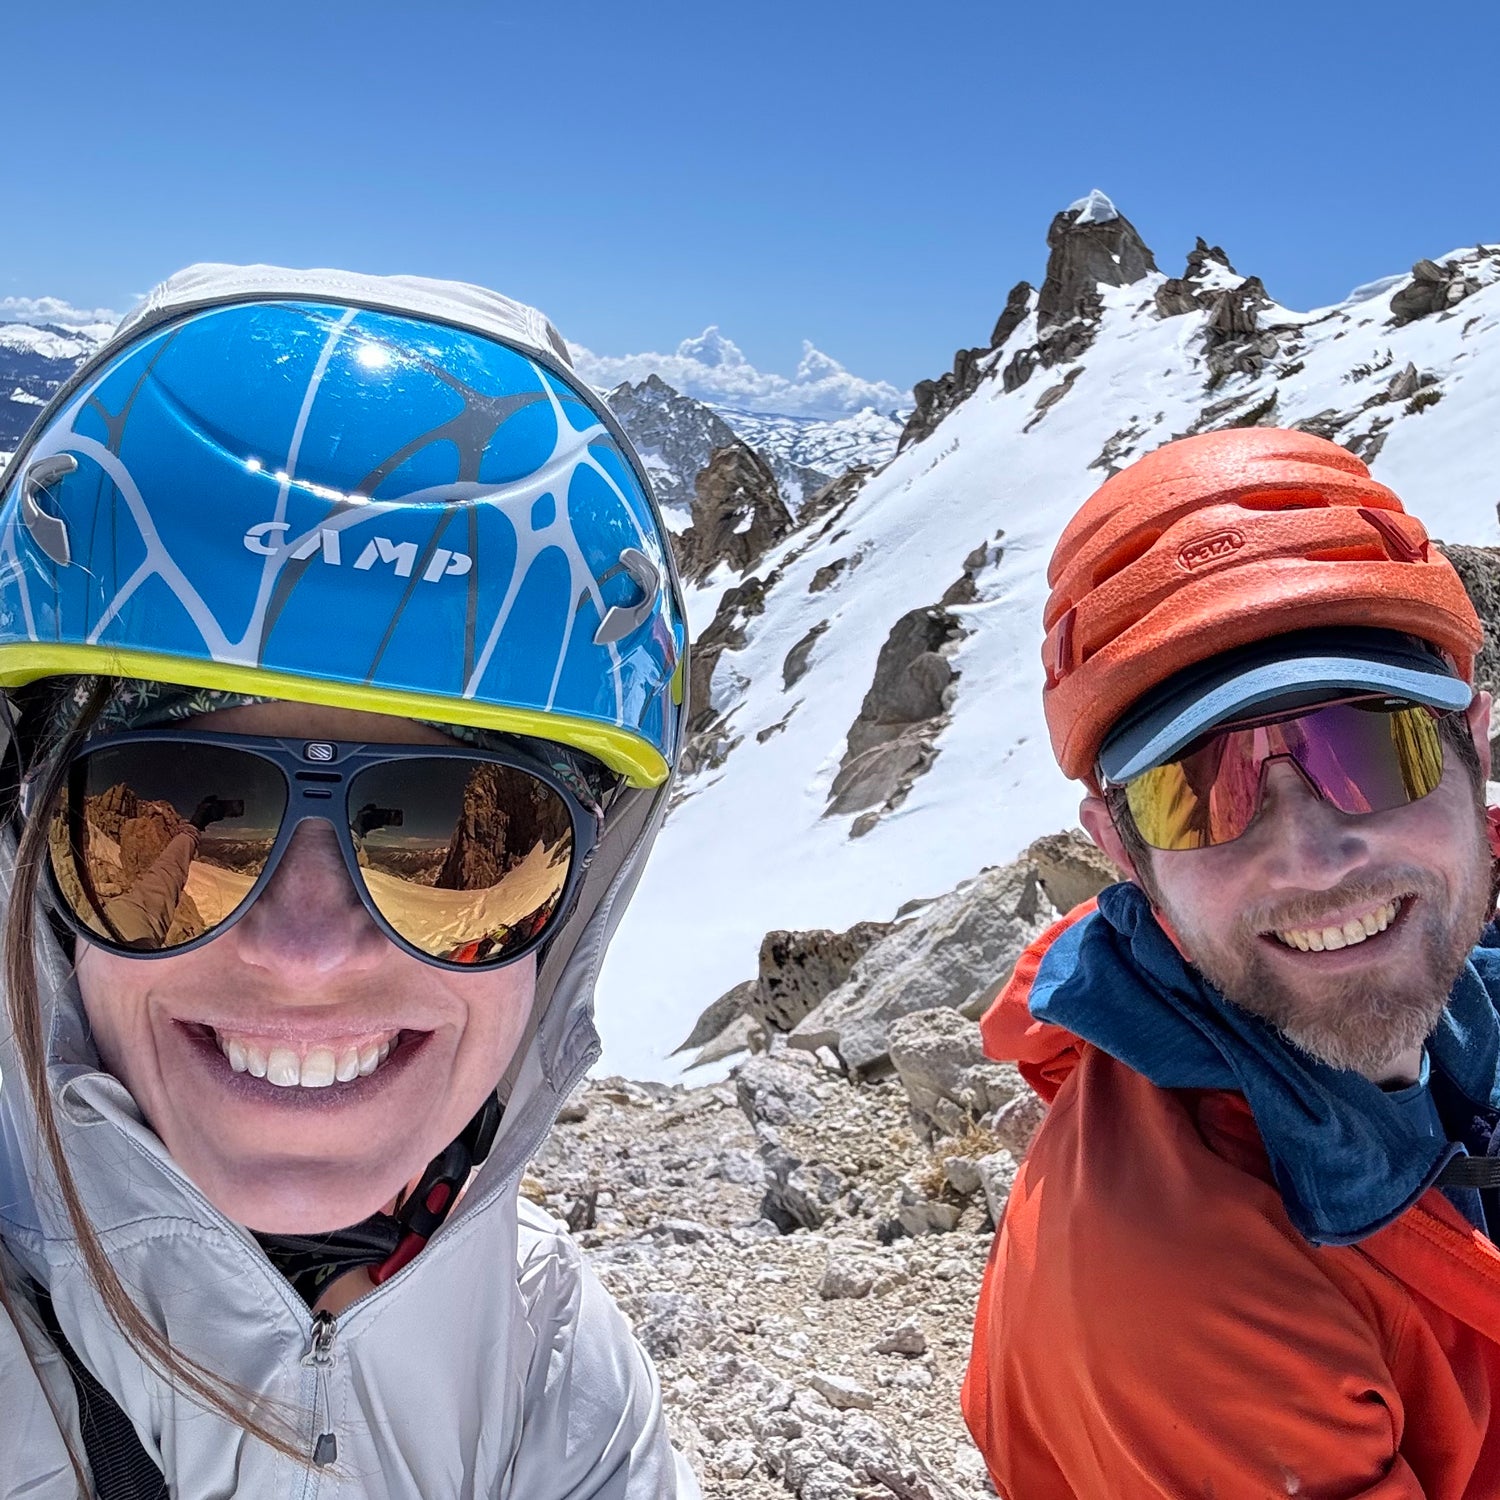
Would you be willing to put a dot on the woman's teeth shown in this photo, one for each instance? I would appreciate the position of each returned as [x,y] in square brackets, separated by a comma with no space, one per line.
[1356,930]
[310,1067]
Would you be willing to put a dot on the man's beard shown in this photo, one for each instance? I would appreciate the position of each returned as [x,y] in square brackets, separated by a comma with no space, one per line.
[1361,1021]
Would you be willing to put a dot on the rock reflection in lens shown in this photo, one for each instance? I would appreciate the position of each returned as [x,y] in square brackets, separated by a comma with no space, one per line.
[467,860]
[157,849]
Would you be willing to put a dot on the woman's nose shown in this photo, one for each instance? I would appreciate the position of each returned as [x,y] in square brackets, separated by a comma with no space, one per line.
[309,920]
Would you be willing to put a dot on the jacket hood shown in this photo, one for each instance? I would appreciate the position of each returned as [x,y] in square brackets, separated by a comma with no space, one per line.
[561,1041]
[478,1368]
[1344,1156]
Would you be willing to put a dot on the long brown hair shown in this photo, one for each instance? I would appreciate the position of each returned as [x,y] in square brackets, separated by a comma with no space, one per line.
[48,775]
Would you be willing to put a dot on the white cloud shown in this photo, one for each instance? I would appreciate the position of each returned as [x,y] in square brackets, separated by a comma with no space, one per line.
[713,368]
[57,312]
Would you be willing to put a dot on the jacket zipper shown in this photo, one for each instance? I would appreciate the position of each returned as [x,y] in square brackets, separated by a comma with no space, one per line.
[319,1359]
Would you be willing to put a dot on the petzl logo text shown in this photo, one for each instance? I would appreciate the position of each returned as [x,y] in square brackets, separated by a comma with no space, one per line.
[1209,548]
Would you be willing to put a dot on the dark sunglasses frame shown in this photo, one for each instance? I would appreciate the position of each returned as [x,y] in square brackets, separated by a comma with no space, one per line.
[319,775]
[1373,700]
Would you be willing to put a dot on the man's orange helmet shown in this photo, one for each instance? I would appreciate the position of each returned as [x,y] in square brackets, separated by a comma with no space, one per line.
[1219,541]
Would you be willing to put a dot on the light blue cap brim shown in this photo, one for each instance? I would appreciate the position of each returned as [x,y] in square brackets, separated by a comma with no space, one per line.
[1174,719]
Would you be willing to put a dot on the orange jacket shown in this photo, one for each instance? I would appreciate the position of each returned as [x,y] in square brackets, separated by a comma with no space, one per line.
[1152,1327]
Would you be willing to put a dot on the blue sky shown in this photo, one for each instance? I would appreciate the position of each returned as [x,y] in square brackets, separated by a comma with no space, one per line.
[869,176]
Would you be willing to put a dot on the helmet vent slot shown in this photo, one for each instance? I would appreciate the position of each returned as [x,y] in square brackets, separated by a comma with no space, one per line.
[1354,553]
[1132,549]
[1283,500]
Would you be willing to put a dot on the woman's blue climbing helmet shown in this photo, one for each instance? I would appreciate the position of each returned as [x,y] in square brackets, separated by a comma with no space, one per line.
[381,493]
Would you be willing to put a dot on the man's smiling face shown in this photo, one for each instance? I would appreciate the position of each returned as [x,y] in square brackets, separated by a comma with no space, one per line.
[1344,931]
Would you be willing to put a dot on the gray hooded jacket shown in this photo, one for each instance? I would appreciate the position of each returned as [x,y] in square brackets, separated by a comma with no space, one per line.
[494,1365]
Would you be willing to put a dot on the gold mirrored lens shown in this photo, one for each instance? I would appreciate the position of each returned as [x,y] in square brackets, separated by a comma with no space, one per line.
[1419,751]
[1168,812]
[153,845]
[467,860]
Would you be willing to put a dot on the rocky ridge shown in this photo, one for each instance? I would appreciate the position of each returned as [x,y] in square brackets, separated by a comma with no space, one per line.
[677,436]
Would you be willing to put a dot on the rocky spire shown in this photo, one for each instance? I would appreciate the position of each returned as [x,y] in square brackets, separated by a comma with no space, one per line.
[1093,244]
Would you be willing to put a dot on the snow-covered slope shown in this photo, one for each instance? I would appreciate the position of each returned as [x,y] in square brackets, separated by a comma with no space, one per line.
[749,847]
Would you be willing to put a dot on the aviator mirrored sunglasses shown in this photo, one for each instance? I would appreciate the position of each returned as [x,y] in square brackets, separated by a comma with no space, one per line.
[465,858]
[1363,756]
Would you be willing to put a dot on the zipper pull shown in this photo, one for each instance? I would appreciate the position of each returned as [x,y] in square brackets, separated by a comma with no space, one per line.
[319,1357]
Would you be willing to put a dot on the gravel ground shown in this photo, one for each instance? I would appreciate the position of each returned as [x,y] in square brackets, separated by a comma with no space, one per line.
[758,1234]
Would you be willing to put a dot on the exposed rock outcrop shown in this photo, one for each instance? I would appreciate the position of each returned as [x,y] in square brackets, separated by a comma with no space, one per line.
[1013,314]
[1071,867]
[891,741]
[829,504]
[1479,568]
[707,726]
[1363,429]
[674,434]
[1092,244]
[794,668]
[949,1081]
[677,435]
[1207,268]
[955,954]
[795,971]
[1234,341]
[965,588]
[1433,288]
[936,398]
[737,514]
[987,917]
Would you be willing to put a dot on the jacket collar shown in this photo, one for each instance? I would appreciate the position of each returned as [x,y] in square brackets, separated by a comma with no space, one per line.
[1342,1154]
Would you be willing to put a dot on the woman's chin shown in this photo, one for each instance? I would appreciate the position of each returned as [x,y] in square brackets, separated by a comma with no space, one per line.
[277,1192]
[304,1202]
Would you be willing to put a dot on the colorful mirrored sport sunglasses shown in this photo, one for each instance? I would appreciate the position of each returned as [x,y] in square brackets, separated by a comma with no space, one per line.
[1366,755]
[465,858]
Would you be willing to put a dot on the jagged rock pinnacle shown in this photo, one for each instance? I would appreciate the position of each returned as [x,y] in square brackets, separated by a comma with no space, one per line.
[1092,244]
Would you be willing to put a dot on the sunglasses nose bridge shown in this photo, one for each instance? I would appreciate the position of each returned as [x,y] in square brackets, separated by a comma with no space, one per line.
[1289,758]
[324,806]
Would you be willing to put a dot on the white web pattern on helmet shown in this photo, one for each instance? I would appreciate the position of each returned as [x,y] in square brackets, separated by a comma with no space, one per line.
[515,500]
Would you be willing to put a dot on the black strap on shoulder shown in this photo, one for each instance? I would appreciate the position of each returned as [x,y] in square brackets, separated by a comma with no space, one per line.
[121,1467]
[1471,1172]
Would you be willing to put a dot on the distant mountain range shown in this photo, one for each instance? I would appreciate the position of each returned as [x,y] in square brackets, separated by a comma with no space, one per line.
[675,433]
[35,359]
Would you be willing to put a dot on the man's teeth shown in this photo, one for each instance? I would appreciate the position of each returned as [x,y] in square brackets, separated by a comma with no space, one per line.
[1355,930]
[309,1068]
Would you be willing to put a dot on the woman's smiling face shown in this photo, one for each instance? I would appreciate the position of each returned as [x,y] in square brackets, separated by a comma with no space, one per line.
[307,974]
